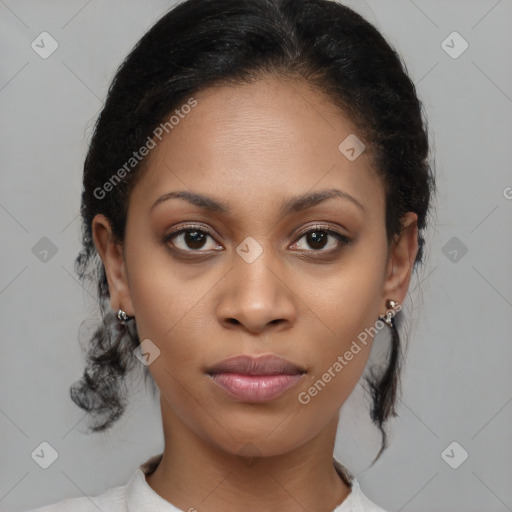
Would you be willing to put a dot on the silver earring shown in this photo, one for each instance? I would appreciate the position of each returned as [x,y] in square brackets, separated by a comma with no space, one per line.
[123,317]
[393,306]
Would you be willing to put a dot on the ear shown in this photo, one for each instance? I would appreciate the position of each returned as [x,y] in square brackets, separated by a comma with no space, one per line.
[111,253]
[401,258]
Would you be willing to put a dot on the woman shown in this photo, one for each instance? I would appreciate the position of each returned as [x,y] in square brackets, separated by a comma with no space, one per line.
[256,189]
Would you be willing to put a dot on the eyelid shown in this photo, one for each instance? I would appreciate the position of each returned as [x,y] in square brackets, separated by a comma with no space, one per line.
[187,227]
[320,227]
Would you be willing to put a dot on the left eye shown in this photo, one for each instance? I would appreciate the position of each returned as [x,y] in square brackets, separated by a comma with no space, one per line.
[318,237]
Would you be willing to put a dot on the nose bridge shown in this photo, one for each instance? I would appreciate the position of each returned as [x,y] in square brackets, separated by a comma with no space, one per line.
[253,262]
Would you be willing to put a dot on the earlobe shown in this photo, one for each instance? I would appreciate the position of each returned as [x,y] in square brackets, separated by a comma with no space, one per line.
[111,253]
[401,260]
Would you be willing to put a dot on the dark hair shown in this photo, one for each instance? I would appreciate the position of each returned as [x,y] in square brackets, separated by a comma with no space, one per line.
[199,43]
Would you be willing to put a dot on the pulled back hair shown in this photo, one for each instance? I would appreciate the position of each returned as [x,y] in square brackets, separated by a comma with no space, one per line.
[201,43]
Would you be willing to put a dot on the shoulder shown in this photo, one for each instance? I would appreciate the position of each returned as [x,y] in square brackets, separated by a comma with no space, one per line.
[111,500]
[356,501]
[134,495]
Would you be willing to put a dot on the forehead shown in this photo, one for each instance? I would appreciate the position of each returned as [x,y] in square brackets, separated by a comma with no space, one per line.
[255,143]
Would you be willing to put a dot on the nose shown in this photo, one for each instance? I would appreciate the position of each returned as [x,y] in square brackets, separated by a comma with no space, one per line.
[257,296]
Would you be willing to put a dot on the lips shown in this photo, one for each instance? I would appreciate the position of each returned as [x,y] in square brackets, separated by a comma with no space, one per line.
[256,365]
[255,378]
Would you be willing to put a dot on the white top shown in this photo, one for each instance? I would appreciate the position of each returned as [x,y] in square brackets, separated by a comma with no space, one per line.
[138,496]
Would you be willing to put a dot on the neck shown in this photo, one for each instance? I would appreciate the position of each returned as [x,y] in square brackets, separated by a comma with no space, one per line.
[196,474]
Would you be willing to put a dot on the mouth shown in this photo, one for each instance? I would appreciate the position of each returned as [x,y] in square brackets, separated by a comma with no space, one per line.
[255,378]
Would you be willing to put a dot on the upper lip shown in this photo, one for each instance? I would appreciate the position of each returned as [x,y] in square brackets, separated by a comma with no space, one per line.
[256,365]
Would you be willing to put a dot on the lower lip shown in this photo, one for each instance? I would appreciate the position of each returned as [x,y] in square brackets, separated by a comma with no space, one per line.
[255,388]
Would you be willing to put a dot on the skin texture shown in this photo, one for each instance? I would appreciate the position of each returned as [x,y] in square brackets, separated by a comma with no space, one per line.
[253,147]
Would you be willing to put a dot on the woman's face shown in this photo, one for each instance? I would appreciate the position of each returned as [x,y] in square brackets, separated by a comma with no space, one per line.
[247,278]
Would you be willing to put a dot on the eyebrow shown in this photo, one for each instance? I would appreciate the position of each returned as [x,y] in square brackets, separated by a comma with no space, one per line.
[292,205]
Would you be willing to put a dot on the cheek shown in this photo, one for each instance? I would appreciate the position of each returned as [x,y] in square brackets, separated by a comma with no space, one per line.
[348,310]
[348,300]
[156,285]
[168,307]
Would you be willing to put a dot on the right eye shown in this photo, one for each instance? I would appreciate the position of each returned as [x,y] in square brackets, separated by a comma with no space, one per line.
[190,239]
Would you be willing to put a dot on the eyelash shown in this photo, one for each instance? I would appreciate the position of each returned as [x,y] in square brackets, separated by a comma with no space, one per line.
[342,239]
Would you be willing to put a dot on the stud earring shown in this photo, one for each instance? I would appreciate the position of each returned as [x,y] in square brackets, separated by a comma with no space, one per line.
[393,307]
[123,317]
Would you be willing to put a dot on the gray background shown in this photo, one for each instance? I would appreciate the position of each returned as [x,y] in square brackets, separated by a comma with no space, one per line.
[457,383]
